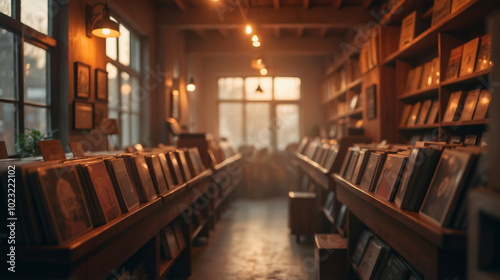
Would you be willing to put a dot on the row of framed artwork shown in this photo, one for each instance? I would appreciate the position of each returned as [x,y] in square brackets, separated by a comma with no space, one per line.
[82,82]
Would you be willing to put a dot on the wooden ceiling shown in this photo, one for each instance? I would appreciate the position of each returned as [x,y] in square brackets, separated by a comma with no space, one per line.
[273,19]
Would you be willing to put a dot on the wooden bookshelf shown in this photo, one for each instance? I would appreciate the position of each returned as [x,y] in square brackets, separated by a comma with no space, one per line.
[425,93]
[425,246]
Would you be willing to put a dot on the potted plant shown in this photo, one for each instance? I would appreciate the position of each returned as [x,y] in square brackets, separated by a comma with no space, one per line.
[27,143]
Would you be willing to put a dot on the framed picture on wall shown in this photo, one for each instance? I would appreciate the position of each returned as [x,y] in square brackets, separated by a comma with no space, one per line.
[101,84]
[82,80]
[371,102]
[175,104]
[83,115]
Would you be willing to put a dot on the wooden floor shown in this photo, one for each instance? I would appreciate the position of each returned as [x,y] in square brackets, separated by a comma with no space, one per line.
[252,241]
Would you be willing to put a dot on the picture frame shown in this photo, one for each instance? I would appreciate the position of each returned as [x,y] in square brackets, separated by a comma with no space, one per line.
[83,115]
[82,80]
[446,187]
[101,85]
[371,102]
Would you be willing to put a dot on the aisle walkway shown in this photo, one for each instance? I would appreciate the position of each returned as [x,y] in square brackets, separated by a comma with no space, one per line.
[252,241]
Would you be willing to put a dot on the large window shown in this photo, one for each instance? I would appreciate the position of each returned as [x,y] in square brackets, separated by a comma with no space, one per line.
[25,45]
[124,88]
[268,118]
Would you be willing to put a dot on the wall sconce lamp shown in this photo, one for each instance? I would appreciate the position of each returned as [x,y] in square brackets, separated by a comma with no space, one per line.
[103,27]
[191,85]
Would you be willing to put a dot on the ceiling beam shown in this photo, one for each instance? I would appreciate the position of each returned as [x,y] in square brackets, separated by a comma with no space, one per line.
[300,32]
[276,4]
[277,32]
[322,32]
[305,4]
[181,5]
[337,4]
[224,32]
[292,17]
[366,4]
[283,45]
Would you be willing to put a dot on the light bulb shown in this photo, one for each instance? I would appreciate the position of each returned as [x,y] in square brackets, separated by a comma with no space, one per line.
[255,38]
[263,71]
[106,31]
[256,44]
[248,29]
[191,87]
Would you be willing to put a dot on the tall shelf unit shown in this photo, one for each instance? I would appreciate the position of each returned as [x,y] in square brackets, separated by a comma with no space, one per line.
[436,252]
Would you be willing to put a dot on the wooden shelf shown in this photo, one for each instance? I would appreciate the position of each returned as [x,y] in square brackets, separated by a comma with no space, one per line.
[480,77]
[400,11]
[421,243]
[420,127]
[317,172]
[355,112]
[228,161]
[166,265]
[470,12]
[465,123]
[430,92]
[355,84]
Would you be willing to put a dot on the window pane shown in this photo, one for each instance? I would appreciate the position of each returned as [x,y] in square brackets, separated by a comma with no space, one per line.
[230,88]
[136,98]
[124,46]
[111,48]
[231,122]
[7,80]
[5,7]
[35,118]
[135,52]
[287,123]
[125,130]
[258,124]
[287,88]
[114,140]
[135,129]
[8,125]
[251,85]
[35,74]
[34,13]
[113,100]
[125,90]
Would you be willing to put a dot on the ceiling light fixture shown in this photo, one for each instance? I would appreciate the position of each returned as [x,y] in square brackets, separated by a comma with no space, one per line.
[256,44]
[191,85]
[259,90]
[103,27]
[248,29]
[263,71]
[255,38]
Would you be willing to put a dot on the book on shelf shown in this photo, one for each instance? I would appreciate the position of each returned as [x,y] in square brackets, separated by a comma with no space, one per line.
[77,149]
[408,31]
[357,175]
[416,177]
[51,150]
[156,173]
[433,112]
[61,206]
[183,165]
[330,159]
[426,79]
[470,140]
[440,10]
[168,242]
[375,254]
[484,56]
[361,245]
[454,62]
[390,176]
[470,105]
[351,165]
[469,57]
[395,268]
[482,105]
[406,114]
[143,178]
[124,188]
[345,163]
[412,120]
[340,221]
[166,171]
[415,82]
[372,171]
[452,109]
[436,71]
[424,112]
[175,169]
[179,236]
[446,186]
[100,192]
[409,80]
[457,4]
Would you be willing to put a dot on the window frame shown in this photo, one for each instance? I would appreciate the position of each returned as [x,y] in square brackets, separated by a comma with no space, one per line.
[272,102]
[22,34]
[137,74]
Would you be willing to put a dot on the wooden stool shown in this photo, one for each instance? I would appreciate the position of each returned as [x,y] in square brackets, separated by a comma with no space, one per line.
[330,253]
[302,213]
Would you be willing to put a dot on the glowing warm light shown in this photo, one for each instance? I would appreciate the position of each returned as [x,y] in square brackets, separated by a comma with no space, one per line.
[191,87]
[106,31]
[263,71]
[255,38]
[27,66]
[256,44]
[126,89]
[248,29]
[175,92]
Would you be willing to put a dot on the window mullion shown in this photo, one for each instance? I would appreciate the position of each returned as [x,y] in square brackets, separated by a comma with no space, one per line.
[20,79]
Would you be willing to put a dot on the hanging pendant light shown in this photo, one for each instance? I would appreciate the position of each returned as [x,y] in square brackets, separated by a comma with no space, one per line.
[259,90]
[191,85]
